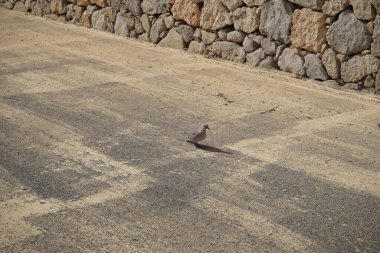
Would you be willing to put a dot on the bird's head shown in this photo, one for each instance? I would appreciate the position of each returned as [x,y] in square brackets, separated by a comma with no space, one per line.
[206,126]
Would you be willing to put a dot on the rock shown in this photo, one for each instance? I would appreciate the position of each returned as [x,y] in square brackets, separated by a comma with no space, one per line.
[143,37]
[198,33]
[222,33]
[312,4]
[292,62]
[268,63]
[70,11]
[370,27]
[377,83]
[101,3]
[269,46]
[186,31]
[331,63]
[36,9]
[276,20]
[256,38]
[334,7]
[228,50]
[28,5]
[369,82]
[253,59]
[359,66]
[157,28]
[363,9]
[101,21]
[375,46]
[353,86]
[86,20]
[173,40]
[232,4]
[279,52]
[138,26]
[245,19]
[376,4]
[134,6]
[152,7]
[248,45]
[215,15]
[187,11]
[236,36]
[121,27]
[348,35]
[83,3]
[10,6]
[110,13]
[19,6]
[308,30]
[78,10]
[197,47]
[163,34]
[115,4]
[130,19]
[252,3]
[169,21]
[145,23]
[366,51]
[314,68]
[208,37]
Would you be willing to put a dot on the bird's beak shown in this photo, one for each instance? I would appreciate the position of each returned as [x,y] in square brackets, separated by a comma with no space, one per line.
[208,128]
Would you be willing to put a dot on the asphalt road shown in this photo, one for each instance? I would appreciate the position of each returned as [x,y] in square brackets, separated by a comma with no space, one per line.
[93,156]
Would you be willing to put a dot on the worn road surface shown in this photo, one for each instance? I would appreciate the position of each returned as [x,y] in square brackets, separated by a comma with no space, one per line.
[93,156]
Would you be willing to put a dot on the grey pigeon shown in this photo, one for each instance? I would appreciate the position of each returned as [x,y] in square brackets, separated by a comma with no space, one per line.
[198,135]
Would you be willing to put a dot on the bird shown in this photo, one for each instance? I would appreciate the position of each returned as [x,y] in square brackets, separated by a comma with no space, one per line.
[198,135]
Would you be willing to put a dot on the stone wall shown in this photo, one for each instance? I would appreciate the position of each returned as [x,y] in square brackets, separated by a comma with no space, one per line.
[319,39]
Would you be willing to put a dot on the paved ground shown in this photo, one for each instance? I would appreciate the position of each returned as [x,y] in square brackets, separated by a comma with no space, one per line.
[93,158]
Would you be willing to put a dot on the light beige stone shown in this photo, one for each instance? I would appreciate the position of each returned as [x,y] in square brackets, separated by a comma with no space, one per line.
[215,15]
[245,19]
[308,30]
[187,11]
[334,7]
[358,67]
[363,9]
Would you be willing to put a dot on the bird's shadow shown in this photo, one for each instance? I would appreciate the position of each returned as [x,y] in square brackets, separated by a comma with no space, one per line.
[209,148]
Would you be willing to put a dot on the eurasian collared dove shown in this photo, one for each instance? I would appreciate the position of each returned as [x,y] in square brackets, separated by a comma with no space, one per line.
[198,135]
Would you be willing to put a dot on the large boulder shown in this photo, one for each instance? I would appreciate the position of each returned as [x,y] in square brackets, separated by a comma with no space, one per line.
[331,63]
[348,35]
[276,20]
[186,31]
[134,6]
[312,4]
[358,67]
[215,15]
[228,50]
[292,62]
[308,30]
[375,46]
[173,40]
[245,19]
[152,7]
[314,68]
[187,11]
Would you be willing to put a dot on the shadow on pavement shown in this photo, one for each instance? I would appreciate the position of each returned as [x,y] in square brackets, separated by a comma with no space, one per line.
[210,148]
